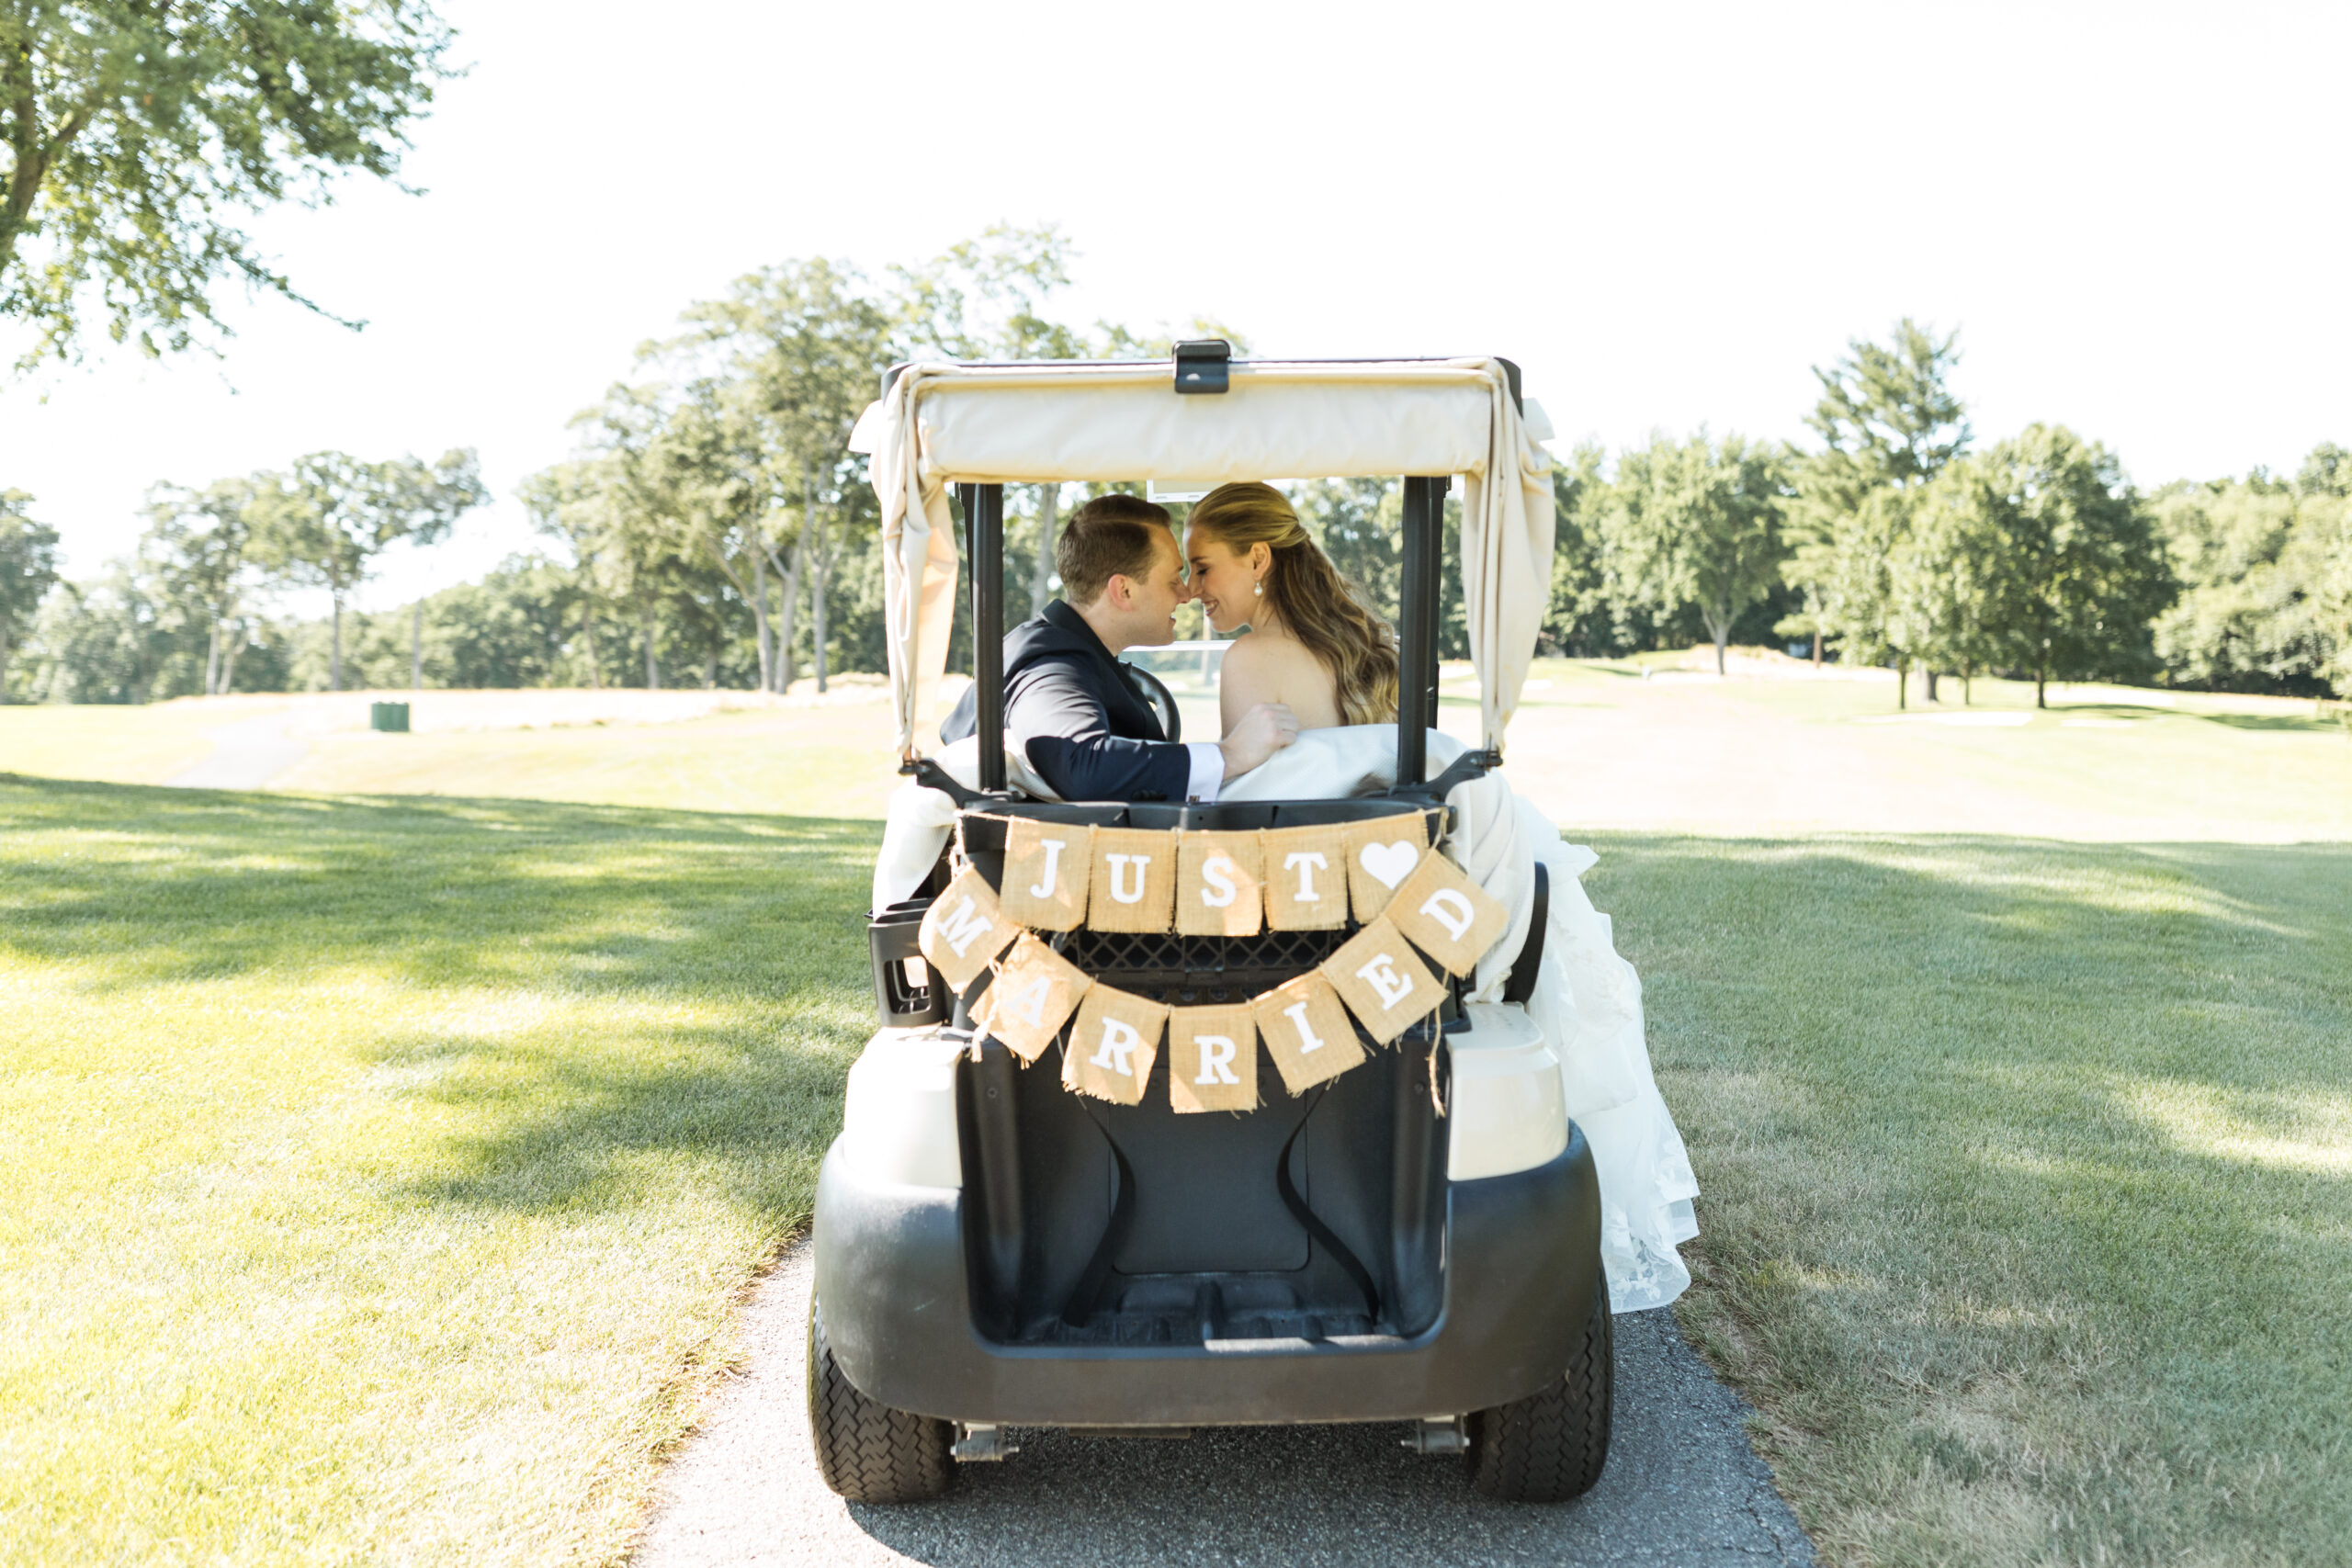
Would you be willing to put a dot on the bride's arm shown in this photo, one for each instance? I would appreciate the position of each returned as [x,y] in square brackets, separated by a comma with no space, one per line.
[1243,682]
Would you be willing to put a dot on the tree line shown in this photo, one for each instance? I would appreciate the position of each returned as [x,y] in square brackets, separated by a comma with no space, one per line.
[712,529]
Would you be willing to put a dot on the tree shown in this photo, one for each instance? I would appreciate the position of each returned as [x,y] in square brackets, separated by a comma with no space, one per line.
[1888,423]
[574,501]
[136,131]
[803,346]
[1698,523]
[2080,573]
[200,542]
[27,567]
[326,520]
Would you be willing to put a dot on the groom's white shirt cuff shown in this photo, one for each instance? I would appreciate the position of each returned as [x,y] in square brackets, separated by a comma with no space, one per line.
[1208,771]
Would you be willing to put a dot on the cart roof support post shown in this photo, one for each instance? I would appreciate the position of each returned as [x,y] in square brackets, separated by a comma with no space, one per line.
[983,508]
[1417,624]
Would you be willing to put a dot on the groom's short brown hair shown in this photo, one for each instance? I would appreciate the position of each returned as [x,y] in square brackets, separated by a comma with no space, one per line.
[1112,535]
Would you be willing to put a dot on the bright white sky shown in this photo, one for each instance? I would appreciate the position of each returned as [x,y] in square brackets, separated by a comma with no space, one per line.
[2136,214]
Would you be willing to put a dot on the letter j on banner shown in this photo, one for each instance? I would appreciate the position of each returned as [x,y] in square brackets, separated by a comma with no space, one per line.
[1047,868]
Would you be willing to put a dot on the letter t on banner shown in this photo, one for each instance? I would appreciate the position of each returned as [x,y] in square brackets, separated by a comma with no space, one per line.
[1307,878]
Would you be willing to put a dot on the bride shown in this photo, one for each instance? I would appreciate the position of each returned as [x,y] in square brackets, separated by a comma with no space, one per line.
[1309,641]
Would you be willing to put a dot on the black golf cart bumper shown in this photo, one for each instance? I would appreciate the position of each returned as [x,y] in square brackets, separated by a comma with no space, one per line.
[1521,1267]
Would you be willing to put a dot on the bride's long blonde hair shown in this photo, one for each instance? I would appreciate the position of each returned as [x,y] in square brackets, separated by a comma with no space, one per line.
[1322,609]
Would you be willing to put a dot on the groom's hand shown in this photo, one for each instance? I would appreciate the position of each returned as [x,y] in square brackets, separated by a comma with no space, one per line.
[1263,730]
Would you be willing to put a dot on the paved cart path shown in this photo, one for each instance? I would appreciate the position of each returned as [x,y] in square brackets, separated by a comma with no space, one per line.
[1683,1487]
[245,755]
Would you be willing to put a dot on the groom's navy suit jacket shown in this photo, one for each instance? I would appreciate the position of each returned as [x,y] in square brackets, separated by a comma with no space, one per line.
[1078,714]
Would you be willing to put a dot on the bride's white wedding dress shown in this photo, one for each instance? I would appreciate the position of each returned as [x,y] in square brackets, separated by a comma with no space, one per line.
[1588,998]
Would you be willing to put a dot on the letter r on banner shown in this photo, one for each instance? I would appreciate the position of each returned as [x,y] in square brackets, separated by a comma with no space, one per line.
[1217,1052]
[1119,1041]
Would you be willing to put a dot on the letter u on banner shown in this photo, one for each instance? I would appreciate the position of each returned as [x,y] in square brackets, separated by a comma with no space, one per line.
[1134,880]
[1047,867]
[1219,887]
[1307,878]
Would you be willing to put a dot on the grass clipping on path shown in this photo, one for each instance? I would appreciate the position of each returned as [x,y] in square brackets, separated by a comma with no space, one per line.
[375,1178]
[2028,1170]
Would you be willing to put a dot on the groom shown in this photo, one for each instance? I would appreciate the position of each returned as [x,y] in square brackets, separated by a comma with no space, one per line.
[1069,707]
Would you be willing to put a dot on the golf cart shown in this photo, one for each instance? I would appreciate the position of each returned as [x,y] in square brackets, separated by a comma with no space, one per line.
[1414,1241]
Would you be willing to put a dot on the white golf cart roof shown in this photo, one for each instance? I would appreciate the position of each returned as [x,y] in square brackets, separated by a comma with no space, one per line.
[939,425]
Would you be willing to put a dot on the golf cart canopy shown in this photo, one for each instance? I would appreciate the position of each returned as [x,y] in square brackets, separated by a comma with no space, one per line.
[1203,419]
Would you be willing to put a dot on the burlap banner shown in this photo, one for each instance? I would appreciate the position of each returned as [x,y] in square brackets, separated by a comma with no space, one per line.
[1411,902]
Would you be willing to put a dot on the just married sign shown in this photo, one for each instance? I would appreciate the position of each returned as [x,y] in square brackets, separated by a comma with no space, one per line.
[1382,873]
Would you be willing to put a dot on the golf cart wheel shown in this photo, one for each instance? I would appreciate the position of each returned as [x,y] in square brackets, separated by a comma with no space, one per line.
[1551,1446]
[869,1452]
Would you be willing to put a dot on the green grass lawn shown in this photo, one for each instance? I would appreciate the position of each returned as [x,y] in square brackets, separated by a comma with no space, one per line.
[378,1173]
[377,1177]
[2027,1175]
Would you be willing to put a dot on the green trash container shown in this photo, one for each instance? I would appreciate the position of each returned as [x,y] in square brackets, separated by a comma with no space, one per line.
[389,717]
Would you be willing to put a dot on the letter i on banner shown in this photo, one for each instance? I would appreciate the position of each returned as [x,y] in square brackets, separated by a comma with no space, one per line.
[1047,868]
[1307,1031]
[1219,885]
[1212,1059]
[1448,915]
[963,929]
[1307,878]
[1134,880]
[1113,1044]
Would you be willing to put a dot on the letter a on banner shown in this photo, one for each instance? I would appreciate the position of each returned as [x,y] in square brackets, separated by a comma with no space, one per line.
[1306,1031]
[1448,915]
[963,929]
[1025,1004]
[1113,1044]
[1307,878]
[1218,884]
[1047,868]
[1134,880]
[1387,988]
[1212,1059]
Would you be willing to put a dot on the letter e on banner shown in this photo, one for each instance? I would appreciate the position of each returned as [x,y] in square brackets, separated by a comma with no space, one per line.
[1448,915]
[1307,878]
[963,929]
[1307,1031]
[1212,1059]
[1384,983]
[1031,997]
[1382,852]
[1219,885]
[1134,880]
[1113,1044]
[1047,868]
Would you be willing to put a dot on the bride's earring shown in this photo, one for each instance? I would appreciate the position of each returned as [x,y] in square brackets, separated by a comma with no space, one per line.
[1258,589]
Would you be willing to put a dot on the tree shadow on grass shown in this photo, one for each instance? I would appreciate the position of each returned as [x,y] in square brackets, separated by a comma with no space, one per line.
[585,989]
[2280,724]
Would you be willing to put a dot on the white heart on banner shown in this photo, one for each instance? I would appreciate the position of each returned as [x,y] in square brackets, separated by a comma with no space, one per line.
[1391,863]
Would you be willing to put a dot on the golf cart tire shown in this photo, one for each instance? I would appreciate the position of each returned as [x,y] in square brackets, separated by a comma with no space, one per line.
[1552,1445]
[867,1451]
